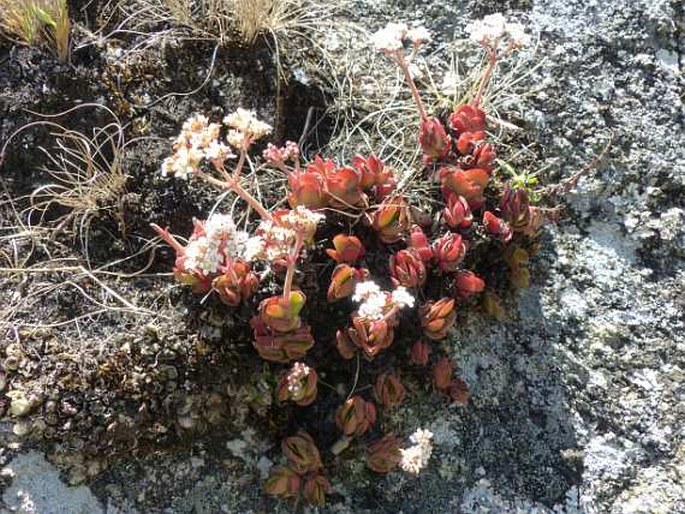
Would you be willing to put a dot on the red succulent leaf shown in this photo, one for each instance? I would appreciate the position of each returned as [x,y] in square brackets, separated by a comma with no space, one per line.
[467,283]
[469,183]
[302,453]
[419,353]
[306,189]
[384,455]
[457,213]
[418,241]
[442,373]
[347,249]
[467,118]
[388,390]
[497,227]
[433,139]
[407,268]
[355,416]
[344,188]
[437,318]
[343,281]
[236,286]
[459,391]
[315,490]
[515,208]
[468,141]
[283,482]
[449,251]
[391,219]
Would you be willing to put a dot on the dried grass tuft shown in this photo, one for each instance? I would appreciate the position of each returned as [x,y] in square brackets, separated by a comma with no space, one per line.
[31,21]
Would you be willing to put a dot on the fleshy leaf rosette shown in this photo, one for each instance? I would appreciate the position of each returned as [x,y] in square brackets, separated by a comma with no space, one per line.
[355,416]
[437,318]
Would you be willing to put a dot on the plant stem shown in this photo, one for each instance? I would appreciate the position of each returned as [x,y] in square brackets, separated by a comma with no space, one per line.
[402,63]
[170,240]
[232,184]
[485,79]
[292,261]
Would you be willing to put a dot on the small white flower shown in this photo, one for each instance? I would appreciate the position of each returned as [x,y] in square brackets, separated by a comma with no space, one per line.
[390,37]
[487,30]
[416,457]
[374,306]
[516,34]
[296,376]
[302,219]
[253,248]
[402,297]
[246,122]
[418,35]
[236,139]
[494,28]
[364,290]
[218,151]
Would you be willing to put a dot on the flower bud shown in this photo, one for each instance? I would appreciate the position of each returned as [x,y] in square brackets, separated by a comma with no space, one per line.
[467,283]
[442,373]
[388,390]
[355,416]
[449,251]
[347,249]
[437,318]
[407,269]
[419,353]
[384,455]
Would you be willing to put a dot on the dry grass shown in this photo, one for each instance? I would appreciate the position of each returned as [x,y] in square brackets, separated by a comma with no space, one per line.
[32,21]
[86,179]
[229,20]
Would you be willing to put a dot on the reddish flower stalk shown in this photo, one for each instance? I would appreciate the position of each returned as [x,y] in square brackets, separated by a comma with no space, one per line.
[292,261]
[401,61]
[487,75]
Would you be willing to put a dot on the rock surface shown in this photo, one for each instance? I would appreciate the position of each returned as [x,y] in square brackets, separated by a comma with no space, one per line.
[578,400]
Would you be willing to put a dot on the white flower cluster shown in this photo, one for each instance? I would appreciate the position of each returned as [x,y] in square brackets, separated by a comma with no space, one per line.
[375,303]
[495,28]
[296,376]
[276,239]
[391,37]
[416,457]
[302,220]
[245,125]
[207,252]
[198,140]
